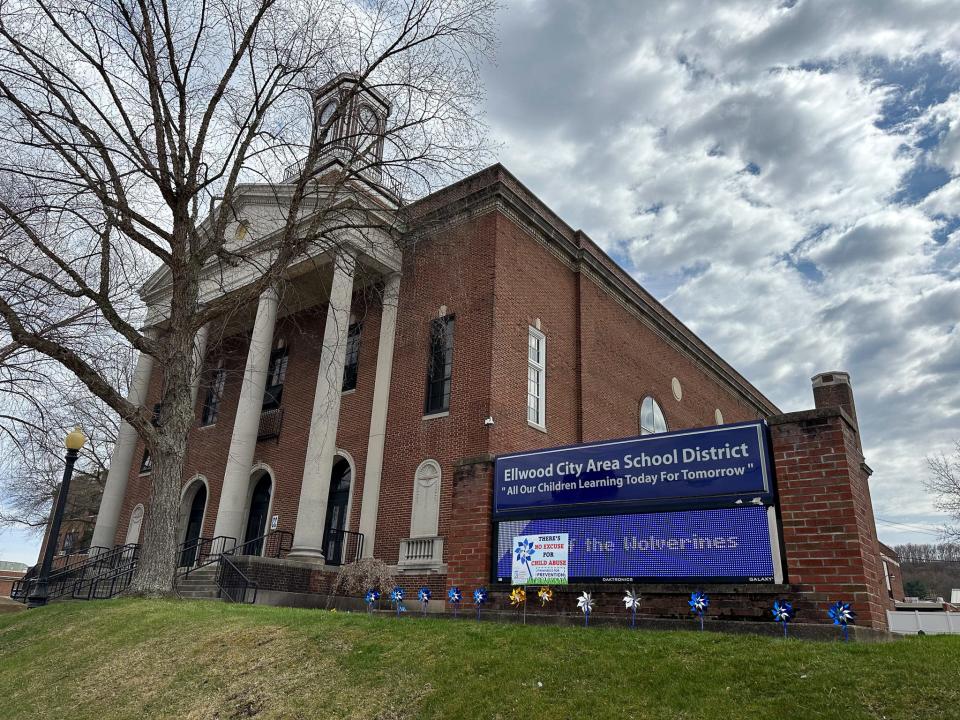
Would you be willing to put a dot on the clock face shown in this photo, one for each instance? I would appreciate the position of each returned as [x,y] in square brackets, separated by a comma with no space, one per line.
[328,110]
[368,119]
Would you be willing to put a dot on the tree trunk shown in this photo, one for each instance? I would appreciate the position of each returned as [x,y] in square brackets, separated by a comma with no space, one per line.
[157,564]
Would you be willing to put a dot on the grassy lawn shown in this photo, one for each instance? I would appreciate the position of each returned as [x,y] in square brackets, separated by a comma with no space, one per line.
[163,659]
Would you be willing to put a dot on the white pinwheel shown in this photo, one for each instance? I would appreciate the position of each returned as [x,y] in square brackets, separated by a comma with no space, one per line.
[632,601]
[585,603]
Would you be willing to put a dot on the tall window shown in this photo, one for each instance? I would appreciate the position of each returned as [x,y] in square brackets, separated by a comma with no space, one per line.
[439,365]
[273,393]
[146,463]
[211,403]
[536,378]
[651,417]
[353,357]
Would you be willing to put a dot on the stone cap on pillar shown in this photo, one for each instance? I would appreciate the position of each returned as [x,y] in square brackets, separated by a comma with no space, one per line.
[833,389]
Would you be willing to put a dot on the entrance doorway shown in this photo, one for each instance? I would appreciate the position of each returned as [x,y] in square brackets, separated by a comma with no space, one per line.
[194,525]
[337,502]
[257,518]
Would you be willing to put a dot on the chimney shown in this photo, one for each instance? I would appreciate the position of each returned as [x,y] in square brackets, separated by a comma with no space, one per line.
[832,389]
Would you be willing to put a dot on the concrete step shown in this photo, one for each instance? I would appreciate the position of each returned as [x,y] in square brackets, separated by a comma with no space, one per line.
[198,594]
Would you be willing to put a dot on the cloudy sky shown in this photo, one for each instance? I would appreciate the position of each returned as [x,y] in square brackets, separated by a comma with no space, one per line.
[786,179]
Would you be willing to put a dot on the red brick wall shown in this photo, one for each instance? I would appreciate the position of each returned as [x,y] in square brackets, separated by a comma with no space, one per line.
[469,548]
[829,535]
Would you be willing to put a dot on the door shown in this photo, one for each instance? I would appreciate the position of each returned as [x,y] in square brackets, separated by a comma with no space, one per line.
[257,519]
[336,522]
[194,527]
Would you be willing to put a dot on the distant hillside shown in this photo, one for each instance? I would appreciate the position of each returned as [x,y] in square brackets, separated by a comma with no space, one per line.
[10,565]
[939,577]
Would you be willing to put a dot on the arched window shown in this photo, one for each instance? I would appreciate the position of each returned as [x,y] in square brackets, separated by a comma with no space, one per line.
[425,514]
[651,417]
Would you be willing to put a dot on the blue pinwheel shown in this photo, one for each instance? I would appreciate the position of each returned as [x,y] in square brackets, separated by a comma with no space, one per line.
[423,595]
[843,615]
[480,596]
[699,602]
[454,596]
[370,598]
[396,597]
[524,552]
[783,613]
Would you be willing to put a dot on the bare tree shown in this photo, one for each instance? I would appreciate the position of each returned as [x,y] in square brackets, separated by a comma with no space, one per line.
[130,131]
[42,402]
[944,482]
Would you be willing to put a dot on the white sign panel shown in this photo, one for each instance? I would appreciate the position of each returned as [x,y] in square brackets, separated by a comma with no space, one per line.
[540,559]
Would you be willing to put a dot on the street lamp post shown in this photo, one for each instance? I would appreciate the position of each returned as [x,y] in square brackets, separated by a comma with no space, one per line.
[38,590]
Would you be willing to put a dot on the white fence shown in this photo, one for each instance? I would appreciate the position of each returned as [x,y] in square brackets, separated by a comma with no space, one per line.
[910,622]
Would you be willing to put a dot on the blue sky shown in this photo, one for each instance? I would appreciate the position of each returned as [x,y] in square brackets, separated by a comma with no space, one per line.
[785,178]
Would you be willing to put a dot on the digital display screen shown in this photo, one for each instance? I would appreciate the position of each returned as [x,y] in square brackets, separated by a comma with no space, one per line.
[717,465]
[719,545]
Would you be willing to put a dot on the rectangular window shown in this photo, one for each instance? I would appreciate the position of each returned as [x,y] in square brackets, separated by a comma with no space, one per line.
[211,403]
[353,357]
[439,366]
[277,373]
[146,464]
[536,378]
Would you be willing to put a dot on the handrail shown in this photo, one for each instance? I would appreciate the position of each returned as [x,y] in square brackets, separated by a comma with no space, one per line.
[66,579]
[280,551]
[215,547]
[231,578]
[115,572]
[343,544]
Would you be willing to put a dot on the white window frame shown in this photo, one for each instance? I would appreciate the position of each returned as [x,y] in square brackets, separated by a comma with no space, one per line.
[541,368]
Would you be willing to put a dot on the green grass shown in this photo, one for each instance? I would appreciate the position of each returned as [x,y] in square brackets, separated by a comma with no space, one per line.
[163,659]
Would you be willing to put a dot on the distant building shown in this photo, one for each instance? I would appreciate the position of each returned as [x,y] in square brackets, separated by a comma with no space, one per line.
[10,572]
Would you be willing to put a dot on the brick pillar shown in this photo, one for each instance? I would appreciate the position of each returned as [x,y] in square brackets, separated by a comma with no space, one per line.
[469,543]
[829,534]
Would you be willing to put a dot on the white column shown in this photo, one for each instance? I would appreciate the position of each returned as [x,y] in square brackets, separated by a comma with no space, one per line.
[115,488]
[322,441]
[199,355]
[243,442]
[378,416]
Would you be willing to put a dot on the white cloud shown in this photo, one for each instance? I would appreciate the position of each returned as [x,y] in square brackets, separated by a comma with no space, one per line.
[734,157]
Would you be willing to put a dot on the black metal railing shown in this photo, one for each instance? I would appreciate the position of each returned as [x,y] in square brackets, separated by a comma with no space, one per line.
[201,552]
[234,585]
[342,547]
[272,544]
[108,574]
[73,577]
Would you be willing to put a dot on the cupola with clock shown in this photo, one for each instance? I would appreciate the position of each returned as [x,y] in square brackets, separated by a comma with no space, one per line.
[349,123]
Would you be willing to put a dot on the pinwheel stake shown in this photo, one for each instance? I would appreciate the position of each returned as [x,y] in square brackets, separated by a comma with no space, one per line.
[423,595]
[783,613]
[479,598]
[370,598]
[843,615]
[524,551]
[585,603]
[454,596]
[699,602]
[518,598]
[396,597]
[632,601]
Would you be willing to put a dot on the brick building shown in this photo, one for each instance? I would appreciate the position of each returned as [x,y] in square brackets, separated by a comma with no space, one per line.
[359,406]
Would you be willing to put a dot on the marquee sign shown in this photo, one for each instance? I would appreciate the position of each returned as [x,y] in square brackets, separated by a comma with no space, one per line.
[716,466]
[720,545]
